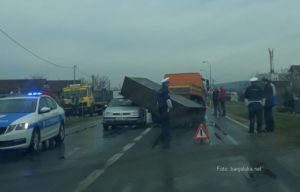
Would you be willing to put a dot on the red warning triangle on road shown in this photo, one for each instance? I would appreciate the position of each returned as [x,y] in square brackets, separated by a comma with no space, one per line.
[201,133]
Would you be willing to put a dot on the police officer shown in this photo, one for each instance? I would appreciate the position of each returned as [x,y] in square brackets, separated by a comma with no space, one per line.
[74,100]
[254,101]
[164,106]
[269,95]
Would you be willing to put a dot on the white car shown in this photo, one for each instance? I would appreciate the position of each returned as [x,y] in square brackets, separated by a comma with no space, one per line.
[122,111]
[26,121]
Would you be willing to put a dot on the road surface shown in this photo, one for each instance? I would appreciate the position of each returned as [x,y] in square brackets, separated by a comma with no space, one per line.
[125,160]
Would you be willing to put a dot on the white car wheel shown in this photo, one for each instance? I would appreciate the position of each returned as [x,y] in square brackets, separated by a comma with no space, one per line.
[35,141]
[61,134]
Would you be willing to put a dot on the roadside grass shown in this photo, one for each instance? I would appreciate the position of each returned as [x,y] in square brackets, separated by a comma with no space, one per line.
[284,122]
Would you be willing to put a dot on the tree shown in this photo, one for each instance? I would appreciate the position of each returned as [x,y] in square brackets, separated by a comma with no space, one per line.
[100,82]
[285,75]
[84,81]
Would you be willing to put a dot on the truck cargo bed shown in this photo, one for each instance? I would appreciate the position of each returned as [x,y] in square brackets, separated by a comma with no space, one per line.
[142,91]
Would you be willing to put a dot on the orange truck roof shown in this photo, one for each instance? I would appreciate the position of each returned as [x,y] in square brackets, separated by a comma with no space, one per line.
[179,79]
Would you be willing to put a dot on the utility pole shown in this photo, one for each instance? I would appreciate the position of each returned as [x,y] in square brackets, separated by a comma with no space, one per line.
[271,55]
[209,70]
[74,68]
[93,82]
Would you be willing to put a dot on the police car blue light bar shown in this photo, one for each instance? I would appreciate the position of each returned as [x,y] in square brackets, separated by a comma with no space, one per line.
[34,94]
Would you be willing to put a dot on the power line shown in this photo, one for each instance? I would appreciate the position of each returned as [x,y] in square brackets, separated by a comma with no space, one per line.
[31,52]
[83,73]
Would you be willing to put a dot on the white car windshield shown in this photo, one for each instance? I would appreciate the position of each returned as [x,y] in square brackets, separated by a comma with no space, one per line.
[120,102]
[19,105]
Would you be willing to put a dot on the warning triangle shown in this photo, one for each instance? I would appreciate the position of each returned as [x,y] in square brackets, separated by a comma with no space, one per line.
[201,133]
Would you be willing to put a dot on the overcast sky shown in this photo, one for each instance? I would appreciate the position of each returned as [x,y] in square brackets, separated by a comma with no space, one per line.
[120,38]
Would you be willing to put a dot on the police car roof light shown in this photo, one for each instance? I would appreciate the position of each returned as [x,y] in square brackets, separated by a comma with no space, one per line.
[34,94]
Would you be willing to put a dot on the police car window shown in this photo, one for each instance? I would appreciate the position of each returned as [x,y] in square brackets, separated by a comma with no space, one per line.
[18,105]
[43,103]
[51,103]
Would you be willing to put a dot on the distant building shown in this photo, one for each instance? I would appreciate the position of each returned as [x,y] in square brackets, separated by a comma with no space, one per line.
[295,70]
[21,85]
[295,79]
[34,85]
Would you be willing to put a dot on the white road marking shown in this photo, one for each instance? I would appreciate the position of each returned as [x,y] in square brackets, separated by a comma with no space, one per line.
[127,188]
[128,146]
[72,152]
[241,124]
[113,159]
[232,140]
[84,184]
[146,131]
[138,138]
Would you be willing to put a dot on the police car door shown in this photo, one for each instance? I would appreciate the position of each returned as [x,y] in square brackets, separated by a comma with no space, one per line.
[43,119]
[54,120]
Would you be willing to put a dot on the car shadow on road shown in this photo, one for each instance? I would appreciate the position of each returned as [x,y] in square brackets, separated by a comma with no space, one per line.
[118,130]
[14,156]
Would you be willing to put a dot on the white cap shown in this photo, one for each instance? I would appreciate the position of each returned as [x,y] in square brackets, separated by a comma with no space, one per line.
[165,80]
[253,79]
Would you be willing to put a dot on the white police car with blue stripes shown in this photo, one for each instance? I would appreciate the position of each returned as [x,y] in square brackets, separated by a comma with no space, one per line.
[26,121]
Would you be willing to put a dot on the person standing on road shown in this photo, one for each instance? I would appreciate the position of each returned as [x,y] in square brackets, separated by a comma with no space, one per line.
[215,99]
[269,95]
[164,106]
[222,99]
[254,101]
[74,100]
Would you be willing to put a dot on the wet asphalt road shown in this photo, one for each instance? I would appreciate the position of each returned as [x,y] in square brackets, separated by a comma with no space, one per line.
[124,160]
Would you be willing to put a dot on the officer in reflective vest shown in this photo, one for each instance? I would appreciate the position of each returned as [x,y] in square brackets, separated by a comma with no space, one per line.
[254,100]
[164,106]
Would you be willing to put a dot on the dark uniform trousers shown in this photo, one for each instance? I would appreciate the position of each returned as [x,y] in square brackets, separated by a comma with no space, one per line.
[165,127]
[255,111]
[269,121]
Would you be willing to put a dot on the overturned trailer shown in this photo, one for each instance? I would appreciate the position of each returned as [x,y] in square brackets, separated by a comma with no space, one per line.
[142,91]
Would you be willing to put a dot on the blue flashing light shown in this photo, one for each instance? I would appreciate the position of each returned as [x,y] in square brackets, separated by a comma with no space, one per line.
[34,94]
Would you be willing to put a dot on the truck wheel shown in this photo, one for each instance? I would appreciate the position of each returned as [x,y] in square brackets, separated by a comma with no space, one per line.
[61,134]
[105,127]
[35,141]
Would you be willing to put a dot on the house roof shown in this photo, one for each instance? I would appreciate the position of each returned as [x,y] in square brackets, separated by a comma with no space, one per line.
[23,85]
[295,68]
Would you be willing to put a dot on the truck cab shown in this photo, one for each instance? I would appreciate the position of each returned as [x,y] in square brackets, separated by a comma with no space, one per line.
[78,99]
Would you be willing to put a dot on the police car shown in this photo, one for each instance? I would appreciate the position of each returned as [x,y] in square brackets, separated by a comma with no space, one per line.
[26,121]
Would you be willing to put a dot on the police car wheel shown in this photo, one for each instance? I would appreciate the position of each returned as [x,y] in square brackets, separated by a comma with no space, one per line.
[61,134]
[35,141]
[105,127]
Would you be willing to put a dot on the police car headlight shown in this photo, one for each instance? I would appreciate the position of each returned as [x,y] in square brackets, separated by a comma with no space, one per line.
[20,126]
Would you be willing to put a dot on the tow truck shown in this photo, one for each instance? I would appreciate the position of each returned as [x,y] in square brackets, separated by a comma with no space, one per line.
[88,100]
